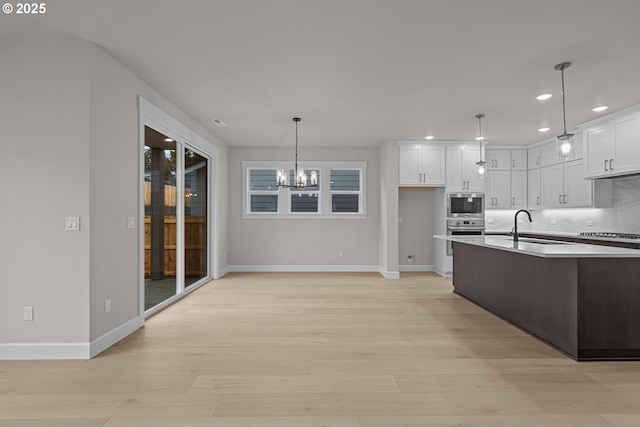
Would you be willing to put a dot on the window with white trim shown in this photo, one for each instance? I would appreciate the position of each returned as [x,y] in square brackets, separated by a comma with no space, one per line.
[341,191]
[263,191]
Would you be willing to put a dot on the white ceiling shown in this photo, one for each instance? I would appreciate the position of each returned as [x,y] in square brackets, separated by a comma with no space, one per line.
[360,72]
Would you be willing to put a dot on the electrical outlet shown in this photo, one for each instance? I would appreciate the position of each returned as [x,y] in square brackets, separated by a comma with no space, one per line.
[107,305]
[28,314]
[411,258]
[400,219]
[589,223]
[340,253]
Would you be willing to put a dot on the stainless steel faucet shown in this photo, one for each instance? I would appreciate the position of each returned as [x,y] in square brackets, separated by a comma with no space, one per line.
[515,224]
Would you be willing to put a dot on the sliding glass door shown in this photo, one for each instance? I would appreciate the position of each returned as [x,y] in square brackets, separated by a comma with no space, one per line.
[175,218]
[196,172]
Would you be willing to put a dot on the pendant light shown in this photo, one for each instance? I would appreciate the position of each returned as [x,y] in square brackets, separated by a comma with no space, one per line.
[564,143]
[481,165]
[302,181]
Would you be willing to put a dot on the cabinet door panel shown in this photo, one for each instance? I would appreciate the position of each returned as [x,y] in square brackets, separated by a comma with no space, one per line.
[433,165]
[409,165]
[518,160]
[533,158]
[499,190]
[455,156]
[625,145]
[533,188]
[551,186]
[472,156]
[518,189]
[596,145]
[577,189]
[549,154]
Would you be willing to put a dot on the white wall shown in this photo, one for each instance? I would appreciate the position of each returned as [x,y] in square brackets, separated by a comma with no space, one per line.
[44,134]
[265,243]
[69,134]
[415,207]
[388,226]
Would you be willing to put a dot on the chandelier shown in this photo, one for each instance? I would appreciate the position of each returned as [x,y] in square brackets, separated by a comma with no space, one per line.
[300,180]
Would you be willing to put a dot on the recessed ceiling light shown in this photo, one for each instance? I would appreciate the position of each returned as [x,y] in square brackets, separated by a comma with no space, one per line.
[429,137]
[168,140]
[544,96]
[218,123]
[600,108]
[543,130]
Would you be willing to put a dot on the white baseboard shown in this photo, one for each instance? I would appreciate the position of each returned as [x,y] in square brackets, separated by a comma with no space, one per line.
[388,274]
[223,272]
[414,267]
[99,345]
[443,273]
[302,268]
[60,351]
[43,351]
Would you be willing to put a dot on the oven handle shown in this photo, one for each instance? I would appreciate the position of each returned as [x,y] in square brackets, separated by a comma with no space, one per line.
[465,228]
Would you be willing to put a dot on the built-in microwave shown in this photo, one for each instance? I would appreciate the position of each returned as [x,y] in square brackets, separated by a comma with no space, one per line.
[465,205]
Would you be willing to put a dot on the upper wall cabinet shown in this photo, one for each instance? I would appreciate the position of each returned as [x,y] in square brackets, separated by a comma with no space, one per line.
[504,160]
[613,147]
[533,158]
[462,170]
[421,165]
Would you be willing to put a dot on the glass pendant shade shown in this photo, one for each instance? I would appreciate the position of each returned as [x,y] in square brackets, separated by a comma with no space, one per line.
[481,169]
[565,146]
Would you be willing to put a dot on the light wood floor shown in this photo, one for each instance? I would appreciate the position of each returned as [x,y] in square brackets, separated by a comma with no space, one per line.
[341,350]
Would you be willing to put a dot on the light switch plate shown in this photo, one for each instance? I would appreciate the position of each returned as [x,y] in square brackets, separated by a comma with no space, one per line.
[131,222]
[72,223]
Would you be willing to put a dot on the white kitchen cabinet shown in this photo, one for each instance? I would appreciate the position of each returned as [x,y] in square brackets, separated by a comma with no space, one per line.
[613,148]
[533,189]
[421,165]
[518,160]
[533,158]
[461,169]
[506,190]
[518,189]
[498,188]
[498,159]
[563,186]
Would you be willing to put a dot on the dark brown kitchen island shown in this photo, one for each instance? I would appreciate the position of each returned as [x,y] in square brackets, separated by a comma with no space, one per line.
[581,299]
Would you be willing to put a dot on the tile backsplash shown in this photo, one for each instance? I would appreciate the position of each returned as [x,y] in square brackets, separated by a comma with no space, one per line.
[623,216]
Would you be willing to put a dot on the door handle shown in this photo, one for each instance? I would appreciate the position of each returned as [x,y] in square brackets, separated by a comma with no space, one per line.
[611,164]
[605,165]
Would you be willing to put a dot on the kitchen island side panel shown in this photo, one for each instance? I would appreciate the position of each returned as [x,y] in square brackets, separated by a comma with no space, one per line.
[536,294]
[609,300]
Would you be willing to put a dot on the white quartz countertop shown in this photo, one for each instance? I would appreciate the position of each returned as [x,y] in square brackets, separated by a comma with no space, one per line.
[544,248]
[565,234]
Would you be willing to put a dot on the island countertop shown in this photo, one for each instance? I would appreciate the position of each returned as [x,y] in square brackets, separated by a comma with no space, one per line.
[544,248]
